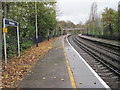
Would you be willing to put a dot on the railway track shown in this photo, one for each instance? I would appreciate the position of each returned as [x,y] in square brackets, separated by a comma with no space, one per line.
[106,56]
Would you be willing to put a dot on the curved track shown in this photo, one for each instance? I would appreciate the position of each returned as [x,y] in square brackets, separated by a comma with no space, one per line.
[106,57]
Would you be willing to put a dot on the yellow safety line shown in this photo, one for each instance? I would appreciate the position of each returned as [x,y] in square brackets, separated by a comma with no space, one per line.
[70,71]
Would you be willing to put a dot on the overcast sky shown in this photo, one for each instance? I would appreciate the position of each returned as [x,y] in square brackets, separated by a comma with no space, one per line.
[79,10]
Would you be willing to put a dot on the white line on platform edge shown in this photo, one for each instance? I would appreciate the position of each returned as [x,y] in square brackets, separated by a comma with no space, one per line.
[99,78]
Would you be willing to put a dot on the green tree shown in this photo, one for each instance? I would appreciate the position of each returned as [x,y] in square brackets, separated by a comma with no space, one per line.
[24,13]
[108,19]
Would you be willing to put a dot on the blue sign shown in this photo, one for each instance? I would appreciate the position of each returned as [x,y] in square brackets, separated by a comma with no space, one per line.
[11,23]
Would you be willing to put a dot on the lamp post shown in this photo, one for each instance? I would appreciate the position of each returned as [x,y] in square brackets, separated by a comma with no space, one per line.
[36,24]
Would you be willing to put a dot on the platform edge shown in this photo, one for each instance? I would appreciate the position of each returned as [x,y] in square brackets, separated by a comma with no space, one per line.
[98,77]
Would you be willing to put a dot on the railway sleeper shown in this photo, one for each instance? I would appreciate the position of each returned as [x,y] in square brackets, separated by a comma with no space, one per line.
[95,56]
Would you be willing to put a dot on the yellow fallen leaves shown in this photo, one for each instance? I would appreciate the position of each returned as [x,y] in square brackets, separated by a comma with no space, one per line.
[6,76]
[54,77]
[62,79]
[18,67]
[49,47]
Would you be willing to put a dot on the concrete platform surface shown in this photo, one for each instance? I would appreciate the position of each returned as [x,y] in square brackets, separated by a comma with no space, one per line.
[62,67]
[84,75]
[50,72]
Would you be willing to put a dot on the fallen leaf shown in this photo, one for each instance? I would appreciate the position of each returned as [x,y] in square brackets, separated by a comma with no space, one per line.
[51,77]
[54,77]
[6,76]
[80,83]
[43,78]
[17,67]
[62,79]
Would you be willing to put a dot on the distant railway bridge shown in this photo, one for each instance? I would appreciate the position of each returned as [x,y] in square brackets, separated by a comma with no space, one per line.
[66,30]
[69,29]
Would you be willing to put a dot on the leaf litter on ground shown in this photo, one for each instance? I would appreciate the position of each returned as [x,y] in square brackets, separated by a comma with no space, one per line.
[17,67]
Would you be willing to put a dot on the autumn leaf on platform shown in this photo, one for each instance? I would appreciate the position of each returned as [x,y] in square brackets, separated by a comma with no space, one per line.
[62,79]
[17,67]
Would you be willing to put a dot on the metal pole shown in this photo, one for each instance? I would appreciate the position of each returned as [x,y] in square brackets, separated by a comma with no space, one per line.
[118,16]
[36,25]
[4,36]
[53,33]
[48,34]
[18,40]
[56,31]
[0,31]
[0,39]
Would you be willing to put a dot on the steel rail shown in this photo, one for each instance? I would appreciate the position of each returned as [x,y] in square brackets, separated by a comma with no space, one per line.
[106,48]
[114,47]
[97,57]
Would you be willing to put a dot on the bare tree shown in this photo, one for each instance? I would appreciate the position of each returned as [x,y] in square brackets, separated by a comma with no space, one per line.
[93,17]
[93,13]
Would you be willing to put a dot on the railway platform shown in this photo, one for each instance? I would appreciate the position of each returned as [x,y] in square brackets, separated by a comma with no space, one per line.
[63,67]
[114,42]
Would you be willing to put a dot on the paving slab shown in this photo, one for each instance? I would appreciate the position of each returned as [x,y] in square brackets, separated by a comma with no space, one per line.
[49,70]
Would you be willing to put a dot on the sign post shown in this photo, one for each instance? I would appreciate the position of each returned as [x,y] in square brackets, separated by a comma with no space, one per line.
[4,36]
[10,23]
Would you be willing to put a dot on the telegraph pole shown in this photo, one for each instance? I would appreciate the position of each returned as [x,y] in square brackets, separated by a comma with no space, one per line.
[36,24]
